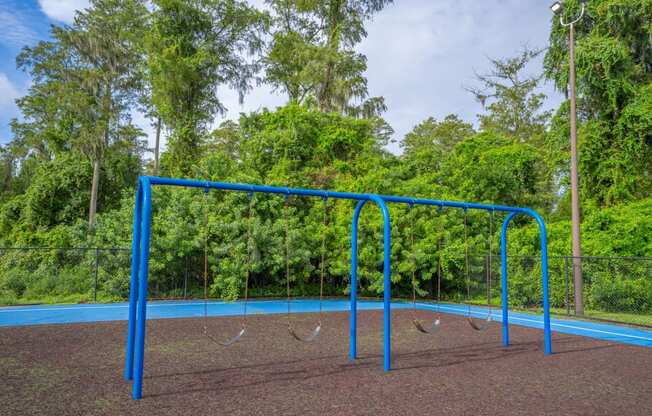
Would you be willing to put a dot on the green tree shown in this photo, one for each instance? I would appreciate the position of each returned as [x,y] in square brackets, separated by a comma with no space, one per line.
[430,143]
[614,73]
[299,146]
[498,169]
[513,105]
[195,48]
[84,82]
[312,56]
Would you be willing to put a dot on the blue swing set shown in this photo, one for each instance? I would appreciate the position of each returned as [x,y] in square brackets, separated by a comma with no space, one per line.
[135,351]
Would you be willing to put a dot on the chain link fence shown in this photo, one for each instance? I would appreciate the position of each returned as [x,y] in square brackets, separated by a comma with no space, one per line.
[615,289]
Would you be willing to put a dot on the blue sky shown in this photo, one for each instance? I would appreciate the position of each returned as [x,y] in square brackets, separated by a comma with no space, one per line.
[421,53]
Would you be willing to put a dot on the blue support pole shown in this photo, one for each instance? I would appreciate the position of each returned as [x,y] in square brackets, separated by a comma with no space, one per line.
[353,330]
[141,318]
[387,283]
[133,287]
[503,278]
[140,256]
[547,338]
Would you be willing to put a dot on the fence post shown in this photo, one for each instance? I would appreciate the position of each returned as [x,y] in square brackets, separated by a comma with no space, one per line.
[487,281]
[97,269]
[185,279]
[567,285]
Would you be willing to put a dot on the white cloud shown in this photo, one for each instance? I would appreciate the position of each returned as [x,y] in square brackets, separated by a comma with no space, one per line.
[8,94]
[421,53]
[62,10]
[8,110]
[15,33]
[261,97]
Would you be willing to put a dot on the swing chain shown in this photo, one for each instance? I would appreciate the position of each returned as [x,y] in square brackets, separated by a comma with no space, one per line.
[250,253]
[206,231]
[323,257]
[490,258]
[317,329]
[287,253]
[466,258]
[469,318]
[247,271]
[440,260]
[413,257]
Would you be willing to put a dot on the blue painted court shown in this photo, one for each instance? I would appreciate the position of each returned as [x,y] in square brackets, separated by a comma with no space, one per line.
[68,314]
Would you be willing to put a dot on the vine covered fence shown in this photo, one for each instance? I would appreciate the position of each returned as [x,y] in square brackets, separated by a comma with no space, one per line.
[615,288]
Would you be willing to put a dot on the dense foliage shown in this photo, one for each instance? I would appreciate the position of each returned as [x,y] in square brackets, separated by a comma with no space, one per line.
[173,61]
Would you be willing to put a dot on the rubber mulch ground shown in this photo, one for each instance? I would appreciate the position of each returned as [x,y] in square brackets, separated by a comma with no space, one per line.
[77,370]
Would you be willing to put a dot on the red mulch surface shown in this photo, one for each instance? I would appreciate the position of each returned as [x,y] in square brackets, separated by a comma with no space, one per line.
[77,370]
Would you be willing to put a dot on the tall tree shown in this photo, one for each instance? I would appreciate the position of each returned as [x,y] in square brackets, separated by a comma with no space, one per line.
[510,96]
[614,78]
[84,81]
[194,48]
[431,142]
[312,56]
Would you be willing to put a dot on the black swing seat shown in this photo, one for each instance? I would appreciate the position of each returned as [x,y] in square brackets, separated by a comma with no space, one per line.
[434,326]
[229,341]
[313,335]
[478,327]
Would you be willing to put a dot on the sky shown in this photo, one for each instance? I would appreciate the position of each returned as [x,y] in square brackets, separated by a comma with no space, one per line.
[421,54]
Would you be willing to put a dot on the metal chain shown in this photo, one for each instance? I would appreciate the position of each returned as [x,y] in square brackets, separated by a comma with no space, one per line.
[249,248]
[314,334]
[439,261]
[323,258]
[287,253]
[413,259]
[247,270]
[205,261]
[490,272]
[466,259]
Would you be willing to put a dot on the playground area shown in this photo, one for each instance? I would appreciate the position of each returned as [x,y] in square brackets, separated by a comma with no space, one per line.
[76,368]
[360,207]
[345,355]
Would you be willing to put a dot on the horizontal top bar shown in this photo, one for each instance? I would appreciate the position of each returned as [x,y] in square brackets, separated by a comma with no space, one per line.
[193,183]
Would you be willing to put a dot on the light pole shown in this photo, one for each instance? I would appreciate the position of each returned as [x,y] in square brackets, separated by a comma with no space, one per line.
[557,8]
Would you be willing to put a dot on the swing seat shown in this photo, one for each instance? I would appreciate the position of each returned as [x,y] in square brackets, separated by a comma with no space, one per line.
[229,341]
[434,326]
[477,327]
[233,340]
[313,335]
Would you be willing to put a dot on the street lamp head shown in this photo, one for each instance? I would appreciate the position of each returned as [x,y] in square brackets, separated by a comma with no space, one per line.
[556,7]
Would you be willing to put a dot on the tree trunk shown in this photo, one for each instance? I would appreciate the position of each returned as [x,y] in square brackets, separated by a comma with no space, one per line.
[157,145]
[99,154]
[325,98]
[94,192]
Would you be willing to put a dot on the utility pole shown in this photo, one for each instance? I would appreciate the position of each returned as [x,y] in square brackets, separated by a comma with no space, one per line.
[557,8]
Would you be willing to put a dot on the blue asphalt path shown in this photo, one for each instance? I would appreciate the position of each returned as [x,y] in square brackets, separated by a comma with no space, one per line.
[67,314]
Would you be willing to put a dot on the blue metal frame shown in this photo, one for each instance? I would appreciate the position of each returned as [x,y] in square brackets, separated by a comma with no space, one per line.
[135,351]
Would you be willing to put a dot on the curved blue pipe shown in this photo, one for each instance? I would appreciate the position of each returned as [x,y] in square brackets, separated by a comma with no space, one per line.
[547,338]
[504,298]
[154,180]
[133,286]
[141,242]
[387,281]
[353,327]
[141,310]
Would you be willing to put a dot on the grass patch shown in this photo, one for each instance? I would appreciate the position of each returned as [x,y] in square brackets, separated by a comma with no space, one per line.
[78,298]
[643,318]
